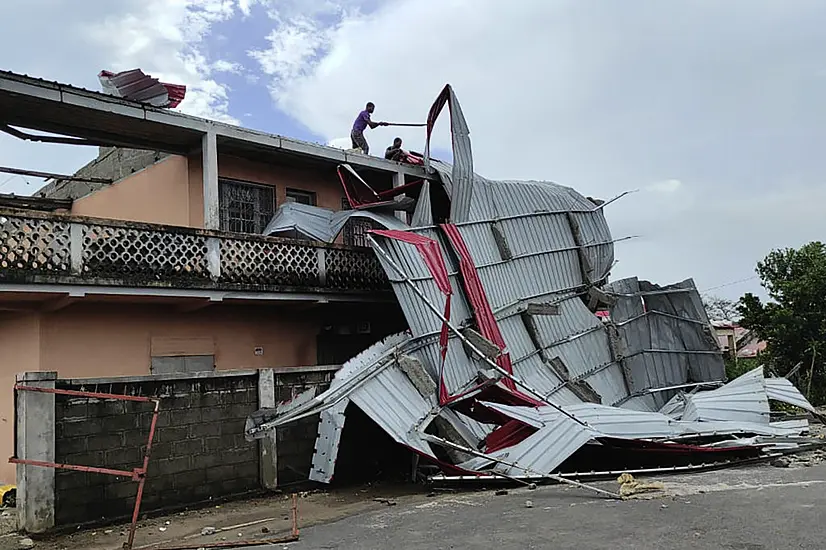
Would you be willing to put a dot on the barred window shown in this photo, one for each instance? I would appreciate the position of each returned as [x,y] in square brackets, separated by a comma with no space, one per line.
[245,207]
[355,230]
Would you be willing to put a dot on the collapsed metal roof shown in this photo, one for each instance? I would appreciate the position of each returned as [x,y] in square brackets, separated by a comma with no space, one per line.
[506,366]
[136,85]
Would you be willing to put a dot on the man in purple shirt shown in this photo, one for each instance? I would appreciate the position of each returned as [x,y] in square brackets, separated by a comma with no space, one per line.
[360,125]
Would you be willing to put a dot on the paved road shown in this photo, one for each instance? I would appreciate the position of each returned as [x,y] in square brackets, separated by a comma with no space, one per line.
[747,509]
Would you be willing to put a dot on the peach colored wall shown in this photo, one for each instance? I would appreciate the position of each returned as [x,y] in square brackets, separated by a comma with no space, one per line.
[157,194]
[171,191]
[19,352]
[114,339]
[324,183]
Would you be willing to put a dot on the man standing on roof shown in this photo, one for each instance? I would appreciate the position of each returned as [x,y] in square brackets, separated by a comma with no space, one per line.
[361,124]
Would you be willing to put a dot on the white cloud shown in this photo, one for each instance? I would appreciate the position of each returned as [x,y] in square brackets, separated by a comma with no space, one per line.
[722,96]
[223,66]
[665,186]
[163,37]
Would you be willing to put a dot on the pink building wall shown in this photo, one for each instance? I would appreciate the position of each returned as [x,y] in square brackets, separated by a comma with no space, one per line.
[171,191]
[114,339]
[19,352]
[157,194]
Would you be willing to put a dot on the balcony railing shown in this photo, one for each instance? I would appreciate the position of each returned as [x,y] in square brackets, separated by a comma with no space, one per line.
[53,248]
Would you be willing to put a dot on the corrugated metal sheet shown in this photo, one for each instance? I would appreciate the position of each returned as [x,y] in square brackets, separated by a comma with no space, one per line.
[780,389]
[743,399]
[627,424]
[543,451]
[321,224]
[531,242]
[136,85]
[330,425]
[423,214]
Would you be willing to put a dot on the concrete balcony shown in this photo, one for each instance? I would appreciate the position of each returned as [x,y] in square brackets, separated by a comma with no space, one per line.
[53,249]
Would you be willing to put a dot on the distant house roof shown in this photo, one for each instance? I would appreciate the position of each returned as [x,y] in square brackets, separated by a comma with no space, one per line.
[746,341]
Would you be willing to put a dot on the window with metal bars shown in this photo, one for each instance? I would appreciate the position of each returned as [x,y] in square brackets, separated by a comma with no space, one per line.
[356,229]
[245,207]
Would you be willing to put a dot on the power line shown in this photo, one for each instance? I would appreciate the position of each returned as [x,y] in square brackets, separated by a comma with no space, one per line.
[7,180]
[737,282]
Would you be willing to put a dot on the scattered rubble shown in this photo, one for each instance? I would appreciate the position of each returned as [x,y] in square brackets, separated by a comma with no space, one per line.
[25,543]
[506,371]
[781,462]
[631,488]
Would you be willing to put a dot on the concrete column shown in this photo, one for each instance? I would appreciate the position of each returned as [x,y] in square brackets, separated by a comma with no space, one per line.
[76,248]
[209,150]
[36,441]
[398,181]
[267,445]
[214,257]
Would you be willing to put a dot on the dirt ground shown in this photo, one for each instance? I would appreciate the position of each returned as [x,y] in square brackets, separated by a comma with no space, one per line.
[241,520]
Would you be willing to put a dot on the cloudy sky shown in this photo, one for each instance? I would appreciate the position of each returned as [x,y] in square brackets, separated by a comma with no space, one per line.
[712,110]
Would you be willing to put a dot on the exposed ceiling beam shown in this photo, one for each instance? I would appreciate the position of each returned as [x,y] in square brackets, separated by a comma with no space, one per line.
[51,175]
[45,139]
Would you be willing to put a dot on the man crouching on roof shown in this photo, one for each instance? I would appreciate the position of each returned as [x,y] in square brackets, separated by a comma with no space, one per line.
[361,124]
[395,151]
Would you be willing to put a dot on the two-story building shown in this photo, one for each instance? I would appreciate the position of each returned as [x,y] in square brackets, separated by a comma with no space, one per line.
[153,259]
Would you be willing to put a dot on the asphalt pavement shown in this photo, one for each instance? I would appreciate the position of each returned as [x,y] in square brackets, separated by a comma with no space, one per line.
[754,508]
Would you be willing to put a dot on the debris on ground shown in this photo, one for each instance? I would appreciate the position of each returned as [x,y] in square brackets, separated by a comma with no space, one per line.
[631,488]
[25,543]
[501,492]
[523,361]
[781,462]
[528,504]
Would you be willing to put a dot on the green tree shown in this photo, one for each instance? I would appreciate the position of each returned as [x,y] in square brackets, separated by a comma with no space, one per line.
[793,321]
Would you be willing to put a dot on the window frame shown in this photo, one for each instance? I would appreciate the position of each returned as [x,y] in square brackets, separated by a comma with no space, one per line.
[263,210]
[311,195]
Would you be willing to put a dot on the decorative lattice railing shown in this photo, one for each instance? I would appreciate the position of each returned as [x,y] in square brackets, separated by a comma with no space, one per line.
[36,247]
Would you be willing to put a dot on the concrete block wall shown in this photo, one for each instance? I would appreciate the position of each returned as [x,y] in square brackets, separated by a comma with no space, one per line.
[114,163]
[199,452]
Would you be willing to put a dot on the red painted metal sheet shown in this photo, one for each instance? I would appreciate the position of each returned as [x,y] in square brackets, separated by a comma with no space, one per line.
[507,435]
[432,256]
[136,85]
[478,299]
